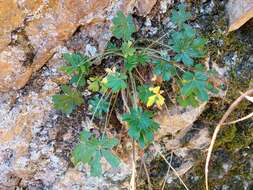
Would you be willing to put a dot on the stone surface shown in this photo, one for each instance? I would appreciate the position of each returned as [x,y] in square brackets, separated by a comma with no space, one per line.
[48,24]
[177,119]
[10,18]
[239,13]
[35,147]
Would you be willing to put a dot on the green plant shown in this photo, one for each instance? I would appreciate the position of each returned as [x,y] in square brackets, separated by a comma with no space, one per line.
[142,126]
[141,97]
[91,149]
[67,101]
[78,68]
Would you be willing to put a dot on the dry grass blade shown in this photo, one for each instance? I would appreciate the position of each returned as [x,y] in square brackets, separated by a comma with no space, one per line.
[241,119]
[132,181]
[217,129]
[147,174]
[173,169]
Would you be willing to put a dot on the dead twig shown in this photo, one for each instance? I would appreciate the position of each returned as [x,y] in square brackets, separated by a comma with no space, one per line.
[173,169]
[132,181]
[147,174]
[217,129]
[241,119]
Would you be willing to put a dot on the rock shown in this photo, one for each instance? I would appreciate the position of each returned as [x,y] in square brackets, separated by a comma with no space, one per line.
[10,18]
[48,24]
[239,13]
[178,119]
[145,6]
[13,73]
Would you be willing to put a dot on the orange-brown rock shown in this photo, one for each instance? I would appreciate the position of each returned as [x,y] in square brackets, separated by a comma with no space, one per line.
[49,24]
[12,73]
[10,18]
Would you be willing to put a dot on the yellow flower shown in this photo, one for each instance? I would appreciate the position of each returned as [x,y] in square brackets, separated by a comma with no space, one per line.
[157,98]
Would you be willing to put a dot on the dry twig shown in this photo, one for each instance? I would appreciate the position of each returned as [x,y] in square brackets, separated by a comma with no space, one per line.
[217,129]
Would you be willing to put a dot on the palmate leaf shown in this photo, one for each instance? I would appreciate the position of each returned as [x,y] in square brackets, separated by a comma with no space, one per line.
[123,27]
[195,89]
[164,69]
[98,106]
[127,49]
[139,58]
[144,93]
[90,151]
[181,16]
[67,101]
[187,45]
[116,81]
[141,125]
[78,67]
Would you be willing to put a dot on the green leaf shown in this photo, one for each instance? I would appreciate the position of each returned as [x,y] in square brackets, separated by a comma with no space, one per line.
[123,27]
[181,16]
[95,84]
[83,153]
[127,49]
[96,168]
[98,106]
[116,81]
[90,151]
[78,67]
[132,61]
[188,76]
[194,89]
[201,76]
[187,60]
[85,135]
[67,101]
[144,93]
[187,45]
[164,69]
[109,143]
[141,124]
[188,88]
[111,158]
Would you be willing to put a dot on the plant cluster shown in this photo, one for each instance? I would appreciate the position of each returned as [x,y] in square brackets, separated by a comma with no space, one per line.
[176,61]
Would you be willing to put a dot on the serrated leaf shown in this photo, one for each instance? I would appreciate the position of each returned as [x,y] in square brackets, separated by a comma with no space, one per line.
[85,135]
[67,102]
[140,122]
[96,168]
[194,89]
[180,16]
[144,93]
[188,88]
[90,151]
[116,81]
[77,69]
[164,69]
[123,27]
[83,153]
[187,45]
[127,49]
[131,62]
[110,143]
[111,158]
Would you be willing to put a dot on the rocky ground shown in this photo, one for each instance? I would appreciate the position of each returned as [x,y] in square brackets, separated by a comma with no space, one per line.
[36,140]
